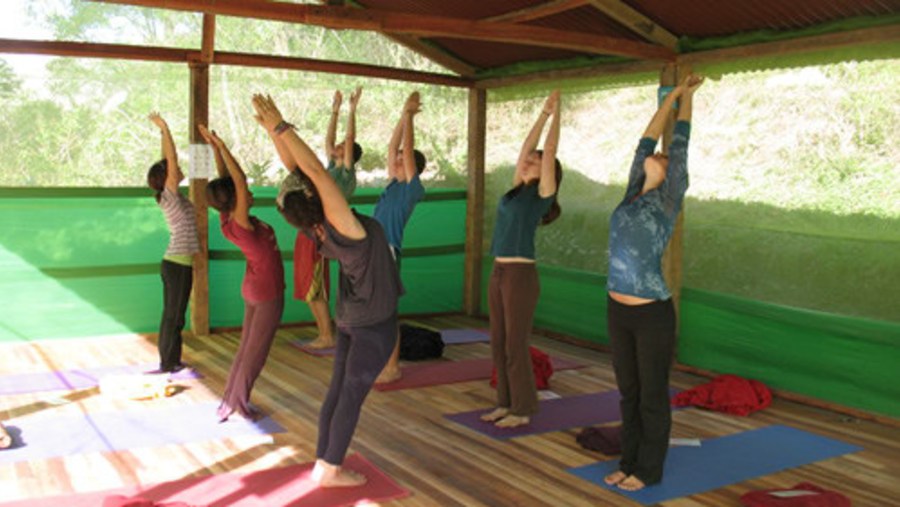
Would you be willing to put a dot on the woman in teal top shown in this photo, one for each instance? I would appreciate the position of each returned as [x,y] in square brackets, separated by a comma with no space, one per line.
[514,288]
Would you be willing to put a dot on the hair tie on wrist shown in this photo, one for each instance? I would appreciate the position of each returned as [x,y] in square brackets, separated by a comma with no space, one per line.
[282,126]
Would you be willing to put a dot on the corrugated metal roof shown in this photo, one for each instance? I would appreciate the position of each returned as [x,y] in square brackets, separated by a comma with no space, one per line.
[712,18]
[461,9]
[486,55]
[586,19]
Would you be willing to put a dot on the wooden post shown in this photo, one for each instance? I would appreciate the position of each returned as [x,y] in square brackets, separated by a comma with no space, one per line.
[475,201]
[672,257]
[200,114]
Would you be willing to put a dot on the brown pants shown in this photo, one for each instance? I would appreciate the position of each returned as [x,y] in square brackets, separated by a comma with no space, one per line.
[512,298]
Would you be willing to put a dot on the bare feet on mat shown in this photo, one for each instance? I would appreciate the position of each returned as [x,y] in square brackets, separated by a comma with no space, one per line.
[389,375]
[321,343]
[631,483]
[332,476]
[495,415]
[513,421]
[615,477]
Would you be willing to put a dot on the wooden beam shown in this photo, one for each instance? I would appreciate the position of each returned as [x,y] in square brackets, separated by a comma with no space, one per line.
[475,201]
[889,34]
[671,258]
[333,67]
[208,43]
[199,114]
[161,54]
[636,22]
[538,11]
[94,50]
[413,24]
[597,71]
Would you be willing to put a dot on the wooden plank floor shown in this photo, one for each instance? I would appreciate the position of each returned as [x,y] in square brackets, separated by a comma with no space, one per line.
[404,433]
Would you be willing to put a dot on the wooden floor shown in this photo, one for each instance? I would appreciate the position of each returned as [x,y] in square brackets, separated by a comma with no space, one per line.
[404,433]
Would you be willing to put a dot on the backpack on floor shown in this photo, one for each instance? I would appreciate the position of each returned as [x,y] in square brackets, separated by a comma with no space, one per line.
[418,344]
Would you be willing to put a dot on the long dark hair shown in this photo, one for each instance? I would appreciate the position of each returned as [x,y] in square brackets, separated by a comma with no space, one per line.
[303,208]
[221,194]
[555,209]
[156,177]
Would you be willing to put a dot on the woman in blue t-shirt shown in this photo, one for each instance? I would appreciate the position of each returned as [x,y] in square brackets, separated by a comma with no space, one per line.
[514,288]
[640,313]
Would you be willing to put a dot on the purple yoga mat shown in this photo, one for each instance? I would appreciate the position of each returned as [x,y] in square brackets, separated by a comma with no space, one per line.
[68,380]
[461,336]
[450,372]
[553,415]
[46,435]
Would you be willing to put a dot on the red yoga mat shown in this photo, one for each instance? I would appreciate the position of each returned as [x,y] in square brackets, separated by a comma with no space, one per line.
[275,487]
[451,372]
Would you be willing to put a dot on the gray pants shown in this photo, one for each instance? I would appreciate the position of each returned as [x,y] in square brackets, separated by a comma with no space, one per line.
[512,298]
[360,355]
[260,323]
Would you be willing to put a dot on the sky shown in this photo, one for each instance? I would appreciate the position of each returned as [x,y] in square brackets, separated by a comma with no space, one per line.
[14,24]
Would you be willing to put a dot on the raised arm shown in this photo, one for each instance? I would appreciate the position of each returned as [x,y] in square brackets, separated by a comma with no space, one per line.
[241,213]
[658,122]
[394,147]
[531,142]
[173,172]
[334,205]
[350,135]
[221,170]
[689,86]
[410,109]
[332,125]
[547,185]
[283,153]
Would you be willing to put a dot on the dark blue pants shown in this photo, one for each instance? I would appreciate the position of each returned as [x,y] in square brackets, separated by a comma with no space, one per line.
[360,356]
[643,339]
[177,280]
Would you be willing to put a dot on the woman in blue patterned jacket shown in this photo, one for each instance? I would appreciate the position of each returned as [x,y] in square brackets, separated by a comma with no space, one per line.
[640,312]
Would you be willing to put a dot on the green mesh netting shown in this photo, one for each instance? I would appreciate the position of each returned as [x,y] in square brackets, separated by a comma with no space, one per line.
[85,262]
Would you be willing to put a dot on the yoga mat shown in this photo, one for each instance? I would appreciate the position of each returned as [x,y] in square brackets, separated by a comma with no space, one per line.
[303,345]
[274,487]
[451,372]
[68,380]
[46,435]
[462,336]
[722,461]
[553,415]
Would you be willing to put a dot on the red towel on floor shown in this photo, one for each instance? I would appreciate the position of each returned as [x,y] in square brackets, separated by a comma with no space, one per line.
[820,498]
[727,393]
[540,363]
[124,501]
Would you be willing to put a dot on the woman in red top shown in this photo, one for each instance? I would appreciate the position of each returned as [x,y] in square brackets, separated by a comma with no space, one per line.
[263,286]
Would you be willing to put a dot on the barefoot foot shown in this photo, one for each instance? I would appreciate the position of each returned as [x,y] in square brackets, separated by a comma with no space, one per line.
[321,342]
[495,415]
[631,483]
[615,477]
[513,421]
[389,375]
[334,476]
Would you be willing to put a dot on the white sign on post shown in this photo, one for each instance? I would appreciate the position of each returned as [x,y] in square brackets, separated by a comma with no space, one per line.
[201,162]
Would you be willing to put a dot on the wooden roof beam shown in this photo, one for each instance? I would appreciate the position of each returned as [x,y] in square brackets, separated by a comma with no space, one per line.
[637,22]
[538,11]
[416,25]
[208,43]
[176,55]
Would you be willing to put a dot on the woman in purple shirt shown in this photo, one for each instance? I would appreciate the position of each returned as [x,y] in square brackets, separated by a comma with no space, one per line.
[640,313]
[263,285]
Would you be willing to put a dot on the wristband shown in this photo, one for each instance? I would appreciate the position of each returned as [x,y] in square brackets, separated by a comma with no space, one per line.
[282,126]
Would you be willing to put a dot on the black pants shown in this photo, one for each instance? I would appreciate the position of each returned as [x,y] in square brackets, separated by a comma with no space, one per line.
[643,340]
[360,355]
[177,280]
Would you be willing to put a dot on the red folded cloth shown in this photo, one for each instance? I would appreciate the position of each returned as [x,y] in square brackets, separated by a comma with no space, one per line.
[727,393]
[804,494]
[540,363]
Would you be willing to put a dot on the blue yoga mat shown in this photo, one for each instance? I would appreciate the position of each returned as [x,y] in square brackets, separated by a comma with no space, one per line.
[727,460]
[46,435]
